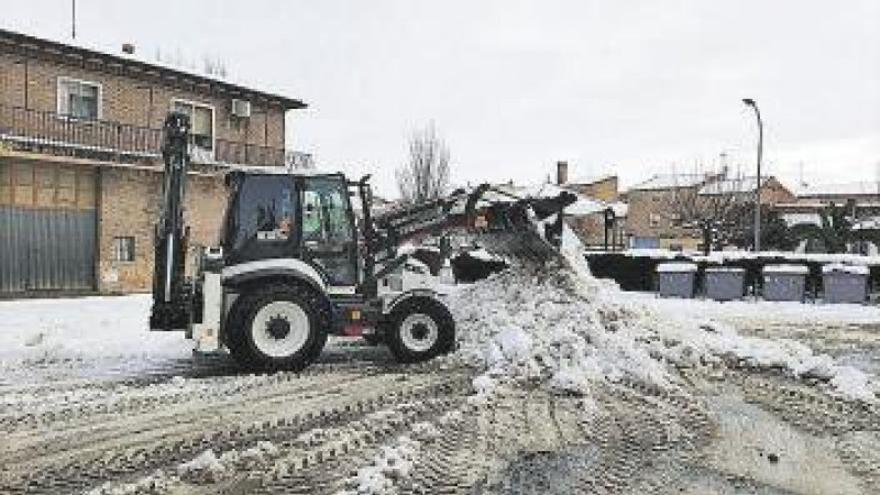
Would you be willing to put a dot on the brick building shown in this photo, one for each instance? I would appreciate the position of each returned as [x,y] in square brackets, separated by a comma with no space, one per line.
[649,223]
[587,215]
[862,197]
[653,219]
[80,160]
[601,187]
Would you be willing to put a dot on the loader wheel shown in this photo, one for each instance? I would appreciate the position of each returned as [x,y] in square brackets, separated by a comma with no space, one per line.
[282,327]
[418,329]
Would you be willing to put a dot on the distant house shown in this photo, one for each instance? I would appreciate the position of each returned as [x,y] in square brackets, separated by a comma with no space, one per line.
[599,198]
[653,220]
[80,160]
[862,197]
[772,191]
[649,222]
[861,193]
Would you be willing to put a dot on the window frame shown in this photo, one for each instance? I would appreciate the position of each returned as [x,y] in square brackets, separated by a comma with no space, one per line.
[192,103]
[59,85]
[117,249]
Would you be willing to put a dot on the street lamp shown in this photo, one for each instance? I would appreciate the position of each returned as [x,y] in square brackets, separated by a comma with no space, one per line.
[751,103]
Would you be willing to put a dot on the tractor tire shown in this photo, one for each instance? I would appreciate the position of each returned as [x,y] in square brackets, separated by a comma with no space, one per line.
[278,327]
[419,329]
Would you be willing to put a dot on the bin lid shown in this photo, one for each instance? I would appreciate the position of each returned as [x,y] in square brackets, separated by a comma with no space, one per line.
[676,268]
[841,268]
[724,269]
[787,269]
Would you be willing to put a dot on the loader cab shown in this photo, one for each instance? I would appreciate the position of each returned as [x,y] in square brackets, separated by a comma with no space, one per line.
[304,217]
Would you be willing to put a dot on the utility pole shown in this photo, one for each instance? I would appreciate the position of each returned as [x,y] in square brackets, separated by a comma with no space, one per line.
[751,103]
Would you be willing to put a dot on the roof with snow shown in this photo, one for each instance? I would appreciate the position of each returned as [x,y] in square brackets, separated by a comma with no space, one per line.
[670,181]
[135,66]
[582,206]
[861,188]
[732,186]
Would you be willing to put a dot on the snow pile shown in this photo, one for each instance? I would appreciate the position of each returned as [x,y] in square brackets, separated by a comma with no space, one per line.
[565,330]
[684,343]
[549,328]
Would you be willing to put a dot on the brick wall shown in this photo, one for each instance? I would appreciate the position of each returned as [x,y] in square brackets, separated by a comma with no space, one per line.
[603,190]
[129,207]
[591,229]
[133,101]
[649,215]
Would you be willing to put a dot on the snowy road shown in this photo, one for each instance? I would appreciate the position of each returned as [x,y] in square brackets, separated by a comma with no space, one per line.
[90,402]
[848,332]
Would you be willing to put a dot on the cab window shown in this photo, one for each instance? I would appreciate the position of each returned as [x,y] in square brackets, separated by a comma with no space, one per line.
[325,213]
[263,220]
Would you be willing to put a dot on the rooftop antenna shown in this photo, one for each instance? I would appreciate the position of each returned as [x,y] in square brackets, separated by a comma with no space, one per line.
[73,19]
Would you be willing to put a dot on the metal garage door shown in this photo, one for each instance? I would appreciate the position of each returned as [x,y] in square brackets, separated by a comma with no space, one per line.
[46,249]
[47,228]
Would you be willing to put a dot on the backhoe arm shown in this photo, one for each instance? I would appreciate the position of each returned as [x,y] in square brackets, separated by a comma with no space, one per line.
[172,299]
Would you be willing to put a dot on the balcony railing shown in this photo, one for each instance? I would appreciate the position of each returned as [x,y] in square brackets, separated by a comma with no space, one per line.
[52,133]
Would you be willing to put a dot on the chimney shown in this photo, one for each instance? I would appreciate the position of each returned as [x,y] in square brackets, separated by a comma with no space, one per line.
[561,173]
[128,48]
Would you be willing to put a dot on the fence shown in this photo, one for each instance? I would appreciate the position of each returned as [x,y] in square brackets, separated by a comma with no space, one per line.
[53,133]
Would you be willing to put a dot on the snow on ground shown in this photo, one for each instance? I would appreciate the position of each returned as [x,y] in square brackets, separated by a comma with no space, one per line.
[565,330]
[561,328]
[758,310]
[99,331]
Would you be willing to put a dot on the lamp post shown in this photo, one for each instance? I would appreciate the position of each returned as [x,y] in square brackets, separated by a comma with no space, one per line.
[751,103]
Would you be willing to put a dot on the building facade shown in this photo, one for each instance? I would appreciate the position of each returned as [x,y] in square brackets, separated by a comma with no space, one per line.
[81,167]
[657,206]
[650,222]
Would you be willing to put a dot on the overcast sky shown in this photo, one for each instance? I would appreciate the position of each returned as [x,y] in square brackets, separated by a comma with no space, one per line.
[629,87]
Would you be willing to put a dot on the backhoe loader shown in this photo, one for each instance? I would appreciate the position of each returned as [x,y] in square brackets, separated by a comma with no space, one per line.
[296,263]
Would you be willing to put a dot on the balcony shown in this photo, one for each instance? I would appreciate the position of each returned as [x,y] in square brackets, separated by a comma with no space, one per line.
[50,133]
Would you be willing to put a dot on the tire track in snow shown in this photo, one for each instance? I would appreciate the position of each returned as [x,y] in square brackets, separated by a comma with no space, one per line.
[50,461]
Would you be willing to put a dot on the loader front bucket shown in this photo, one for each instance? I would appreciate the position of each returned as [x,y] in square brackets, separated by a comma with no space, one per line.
[518,229]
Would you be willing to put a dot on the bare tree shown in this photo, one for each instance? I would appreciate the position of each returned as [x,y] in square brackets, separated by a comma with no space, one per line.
[714,210]
[426,174]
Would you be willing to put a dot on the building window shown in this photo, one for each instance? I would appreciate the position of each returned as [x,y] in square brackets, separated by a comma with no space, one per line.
[654,220]
[202,122]
[79,99]
[123,248]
